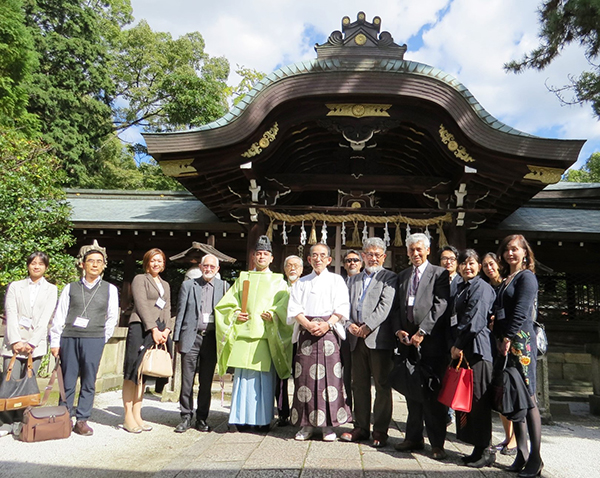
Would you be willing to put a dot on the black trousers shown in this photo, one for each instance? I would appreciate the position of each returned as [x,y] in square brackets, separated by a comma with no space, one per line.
[201,359]
[429,412]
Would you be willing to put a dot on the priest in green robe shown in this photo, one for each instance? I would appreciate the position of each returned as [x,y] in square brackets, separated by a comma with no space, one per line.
[257,343]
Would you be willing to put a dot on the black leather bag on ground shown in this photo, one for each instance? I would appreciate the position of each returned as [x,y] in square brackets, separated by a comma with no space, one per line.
[47,423]
[410,376]
[17,393]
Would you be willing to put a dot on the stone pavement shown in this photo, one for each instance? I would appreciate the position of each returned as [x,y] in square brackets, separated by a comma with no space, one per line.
[570,448]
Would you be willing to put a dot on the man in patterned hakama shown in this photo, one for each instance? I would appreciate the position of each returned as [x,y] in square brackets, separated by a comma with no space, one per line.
[257,342]
[318,306]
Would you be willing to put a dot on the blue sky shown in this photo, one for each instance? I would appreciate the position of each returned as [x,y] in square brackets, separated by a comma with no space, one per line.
[470,39]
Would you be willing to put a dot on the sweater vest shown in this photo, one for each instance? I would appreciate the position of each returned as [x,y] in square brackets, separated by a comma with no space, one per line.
[96,300]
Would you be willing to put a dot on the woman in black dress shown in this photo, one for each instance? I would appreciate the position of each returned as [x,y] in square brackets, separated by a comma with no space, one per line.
[473,305]
[513,327]
[490,267]
[150,323]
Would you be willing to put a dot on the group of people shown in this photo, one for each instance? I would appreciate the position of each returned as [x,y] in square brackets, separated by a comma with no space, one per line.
[332,336]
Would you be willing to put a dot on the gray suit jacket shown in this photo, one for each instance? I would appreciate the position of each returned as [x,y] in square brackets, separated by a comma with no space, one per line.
[17,306]
[376,308]
[430,309]
[188,310]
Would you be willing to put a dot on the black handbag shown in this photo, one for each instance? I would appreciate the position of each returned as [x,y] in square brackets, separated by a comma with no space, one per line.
[410,376]
[510,396]
[17,393]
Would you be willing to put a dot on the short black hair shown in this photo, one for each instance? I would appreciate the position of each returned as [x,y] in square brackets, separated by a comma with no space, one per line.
[38,255]
[452,249]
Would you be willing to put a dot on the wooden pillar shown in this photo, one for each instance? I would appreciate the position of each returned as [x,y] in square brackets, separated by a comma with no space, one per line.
[457,236]
[338,250]
[128,275]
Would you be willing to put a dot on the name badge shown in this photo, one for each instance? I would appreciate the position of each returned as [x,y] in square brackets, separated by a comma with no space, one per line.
[205,318]
[411,300]
[25,322]
[160,303]
[81,322]
[500,315]
[454,321]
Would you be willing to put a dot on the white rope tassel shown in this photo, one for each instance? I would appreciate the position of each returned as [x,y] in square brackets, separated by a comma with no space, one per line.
[324,233]
[343,233]
[284,236]
[386,235]
[407,232]
[427,233]
[365,234]
[302,235]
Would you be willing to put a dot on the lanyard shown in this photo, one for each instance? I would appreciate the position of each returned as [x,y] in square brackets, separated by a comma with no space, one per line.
[85,306]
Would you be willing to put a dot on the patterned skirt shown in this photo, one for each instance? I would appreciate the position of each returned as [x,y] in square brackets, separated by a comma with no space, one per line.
[523,356]
[319,398]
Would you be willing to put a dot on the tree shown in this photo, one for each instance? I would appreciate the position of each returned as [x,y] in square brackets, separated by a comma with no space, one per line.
[17,61]
[564,22]
[166,84]
[590,173]
[73,89]
[249,77]
[34,214]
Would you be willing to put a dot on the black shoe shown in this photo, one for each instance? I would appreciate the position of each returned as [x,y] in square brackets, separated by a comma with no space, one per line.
[531,474]
[518,464]
[486,459]
[408,445]
[283,422]
[201,425]
[185,424]
[472,458]
[262,428]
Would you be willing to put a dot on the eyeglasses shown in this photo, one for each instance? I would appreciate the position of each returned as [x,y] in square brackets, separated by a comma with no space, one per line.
[293,266]
[448,259]
[94,261]
[376,255]
[319,256]
[208,266]
[352,259]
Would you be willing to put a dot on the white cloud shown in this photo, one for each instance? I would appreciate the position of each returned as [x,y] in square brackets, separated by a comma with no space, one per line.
[470,39]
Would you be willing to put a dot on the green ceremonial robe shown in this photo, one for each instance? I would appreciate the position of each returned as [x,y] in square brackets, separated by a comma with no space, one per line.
[254,343]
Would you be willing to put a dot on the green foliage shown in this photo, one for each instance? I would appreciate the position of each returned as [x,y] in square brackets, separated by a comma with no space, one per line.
[118,170]
[564,22]
[17,61]
[167,84]
[250,77]
[34,215]
[590,173]
[72,90]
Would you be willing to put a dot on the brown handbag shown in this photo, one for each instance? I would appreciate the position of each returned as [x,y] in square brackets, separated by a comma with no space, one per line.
[17,393]
[47,423]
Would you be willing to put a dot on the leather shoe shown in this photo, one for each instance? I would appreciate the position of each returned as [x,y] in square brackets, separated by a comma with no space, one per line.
[408,445]
[517,465]
[508,451]
[531,474]
[487,458]
[146,428]
[82,428]
[201,426]
[358,434]
[379,439]
[184,425]
[438,453]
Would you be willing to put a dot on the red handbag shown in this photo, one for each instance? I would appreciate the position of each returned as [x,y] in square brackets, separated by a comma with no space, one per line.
[457,387]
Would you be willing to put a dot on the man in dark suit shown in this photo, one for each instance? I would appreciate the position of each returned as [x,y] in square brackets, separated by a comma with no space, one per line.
[423,293]
[371,341]
[195,339]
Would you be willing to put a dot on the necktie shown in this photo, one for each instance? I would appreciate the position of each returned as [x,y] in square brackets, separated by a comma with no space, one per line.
[414,284]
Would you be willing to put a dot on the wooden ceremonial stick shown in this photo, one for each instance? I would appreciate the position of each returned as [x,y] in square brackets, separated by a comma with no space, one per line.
[245,290]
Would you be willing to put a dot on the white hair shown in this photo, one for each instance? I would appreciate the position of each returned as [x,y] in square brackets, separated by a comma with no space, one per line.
[418,237]
[209,255]
[289,258]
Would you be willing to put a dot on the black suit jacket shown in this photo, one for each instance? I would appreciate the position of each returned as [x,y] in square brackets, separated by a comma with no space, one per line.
[430,309]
